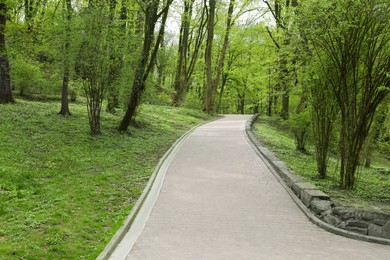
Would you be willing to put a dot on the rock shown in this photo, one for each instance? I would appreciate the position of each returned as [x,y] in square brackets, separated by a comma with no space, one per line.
[370,215]
[330,219]
[342,225]
[356,223]
[319,206]
[291,178]
[374,230]
[358,230]
[386,230]
[308,195]
[344,212]
[298,187]
[379,222]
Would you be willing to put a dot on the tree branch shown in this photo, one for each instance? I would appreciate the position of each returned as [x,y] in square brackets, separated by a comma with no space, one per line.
[272,37]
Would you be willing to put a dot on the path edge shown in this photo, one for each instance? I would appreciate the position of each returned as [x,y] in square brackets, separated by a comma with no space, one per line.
[254,142]
[121,232]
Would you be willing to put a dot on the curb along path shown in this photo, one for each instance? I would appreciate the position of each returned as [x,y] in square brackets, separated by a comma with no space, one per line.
[219,200]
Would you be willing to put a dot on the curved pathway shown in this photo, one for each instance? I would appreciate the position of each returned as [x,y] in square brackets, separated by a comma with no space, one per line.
[220,201]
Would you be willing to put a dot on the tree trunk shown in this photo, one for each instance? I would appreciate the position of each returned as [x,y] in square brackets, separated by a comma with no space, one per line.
[229,24]
[144,68]
[5,80]
[208,101]
[65,79]
[224,80]
[181,69]
[64,98]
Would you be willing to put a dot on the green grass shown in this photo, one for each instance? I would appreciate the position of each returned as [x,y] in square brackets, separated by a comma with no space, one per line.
[373,187]
[63,192]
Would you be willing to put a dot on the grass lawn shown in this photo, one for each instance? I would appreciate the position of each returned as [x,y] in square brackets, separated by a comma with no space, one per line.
[373,187]
[63,192]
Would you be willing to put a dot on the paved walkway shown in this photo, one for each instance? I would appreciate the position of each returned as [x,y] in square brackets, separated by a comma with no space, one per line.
[220,201]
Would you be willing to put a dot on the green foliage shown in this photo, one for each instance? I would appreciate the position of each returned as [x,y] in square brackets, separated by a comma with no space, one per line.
[27,77]
[350,39]
[299,125]
[63,193]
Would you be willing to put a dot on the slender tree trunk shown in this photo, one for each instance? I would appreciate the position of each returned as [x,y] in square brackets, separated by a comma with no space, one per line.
[219,104]
[145,65]
[66,74]
[181,69]
[5,80]
[208,102]
[229,24]
[115,63]
[189,45]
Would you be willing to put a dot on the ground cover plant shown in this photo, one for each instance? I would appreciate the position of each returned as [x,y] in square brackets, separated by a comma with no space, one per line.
[373,186]
[64,192]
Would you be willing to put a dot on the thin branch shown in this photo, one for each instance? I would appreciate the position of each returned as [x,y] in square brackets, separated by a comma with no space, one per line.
[272,37]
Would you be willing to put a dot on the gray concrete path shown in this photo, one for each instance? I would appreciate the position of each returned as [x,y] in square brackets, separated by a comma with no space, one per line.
[220,201]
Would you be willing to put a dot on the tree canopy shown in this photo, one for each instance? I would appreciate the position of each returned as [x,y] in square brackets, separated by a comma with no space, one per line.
[321,66]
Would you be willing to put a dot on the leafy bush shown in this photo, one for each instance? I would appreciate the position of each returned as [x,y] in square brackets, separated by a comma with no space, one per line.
[299,125]
[27,77]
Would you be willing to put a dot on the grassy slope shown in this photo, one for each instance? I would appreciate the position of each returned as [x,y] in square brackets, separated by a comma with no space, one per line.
[64,193]
[372,188]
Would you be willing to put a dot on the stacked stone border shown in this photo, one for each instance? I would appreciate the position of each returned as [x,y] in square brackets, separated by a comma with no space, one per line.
[365,225]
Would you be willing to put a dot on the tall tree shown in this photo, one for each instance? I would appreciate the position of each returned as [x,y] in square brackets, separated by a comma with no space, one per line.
[209,93]
[148,55]
[66,59]
[93,60]
[353,37]
[221,62]
[283,16]
[189,46]
[5,81]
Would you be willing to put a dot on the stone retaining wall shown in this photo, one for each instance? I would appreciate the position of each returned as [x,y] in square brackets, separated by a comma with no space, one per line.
[359,221]
[350,219]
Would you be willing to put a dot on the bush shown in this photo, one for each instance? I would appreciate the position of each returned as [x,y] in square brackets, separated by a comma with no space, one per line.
[299,125]
[27,77]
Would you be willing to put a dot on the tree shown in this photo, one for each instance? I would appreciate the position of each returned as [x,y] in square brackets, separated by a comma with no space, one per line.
[93,61]
[116,36]
[324,113]
[283,14]
[353,38]
[148,56]
[209,90]
[5,81]
[188,50]
[66,66]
